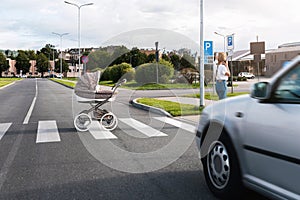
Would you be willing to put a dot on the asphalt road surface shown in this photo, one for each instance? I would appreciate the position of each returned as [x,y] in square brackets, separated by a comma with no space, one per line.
[42,156]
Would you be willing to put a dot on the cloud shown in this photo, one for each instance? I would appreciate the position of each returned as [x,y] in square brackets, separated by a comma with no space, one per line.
[274,21]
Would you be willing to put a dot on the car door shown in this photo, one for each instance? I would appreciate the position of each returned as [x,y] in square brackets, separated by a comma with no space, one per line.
[272,136]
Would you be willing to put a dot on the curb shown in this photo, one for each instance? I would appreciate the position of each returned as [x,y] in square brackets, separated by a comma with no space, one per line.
[62,84]
[135,104]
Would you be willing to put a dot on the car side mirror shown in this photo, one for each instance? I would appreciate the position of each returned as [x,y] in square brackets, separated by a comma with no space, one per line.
[260,90]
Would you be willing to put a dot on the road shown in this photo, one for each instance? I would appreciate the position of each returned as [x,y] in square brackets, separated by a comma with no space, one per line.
[146,157]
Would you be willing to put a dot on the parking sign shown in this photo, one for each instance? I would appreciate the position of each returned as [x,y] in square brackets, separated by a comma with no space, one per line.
[208,48]
[230,42]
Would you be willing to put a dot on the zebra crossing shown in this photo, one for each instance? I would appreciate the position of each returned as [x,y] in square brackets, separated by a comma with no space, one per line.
[48,132]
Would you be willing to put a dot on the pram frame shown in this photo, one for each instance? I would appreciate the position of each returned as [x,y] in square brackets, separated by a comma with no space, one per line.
[107,120]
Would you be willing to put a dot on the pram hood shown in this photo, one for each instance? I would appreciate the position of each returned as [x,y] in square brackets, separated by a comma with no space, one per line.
[86,87]
[88,82]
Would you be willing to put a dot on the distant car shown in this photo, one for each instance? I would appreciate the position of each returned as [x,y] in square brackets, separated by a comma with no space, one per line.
[253,140]
[246,75]
[52,76]
[59,75]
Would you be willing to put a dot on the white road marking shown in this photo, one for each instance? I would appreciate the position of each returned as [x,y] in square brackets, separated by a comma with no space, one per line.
[179,124]
[26,120]
[99,133]
[143,128]
[47,132]
[3,128]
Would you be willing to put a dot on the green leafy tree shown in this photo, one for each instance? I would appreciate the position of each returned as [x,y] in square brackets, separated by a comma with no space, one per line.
[147,73]
[3,64]
[48,51]
[175,60]
[65,66]
[151,58]
[187,61]
[22,62]
[31,54]
[99,59]
[123,70]
[42,63]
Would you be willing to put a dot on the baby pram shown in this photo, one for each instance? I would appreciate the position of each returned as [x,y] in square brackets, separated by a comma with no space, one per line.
[87,91]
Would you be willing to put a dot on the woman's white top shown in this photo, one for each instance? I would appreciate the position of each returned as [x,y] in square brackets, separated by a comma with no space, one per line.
[221,70]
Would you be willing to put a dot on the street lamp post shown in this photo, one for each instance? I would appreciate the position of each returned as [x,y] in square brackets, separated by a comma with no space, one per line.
[224,38]
[60,35]
[78,6]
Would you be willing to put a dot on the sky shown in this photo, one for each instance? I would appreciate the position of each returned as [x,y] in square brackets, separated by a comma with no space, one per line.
[174,23]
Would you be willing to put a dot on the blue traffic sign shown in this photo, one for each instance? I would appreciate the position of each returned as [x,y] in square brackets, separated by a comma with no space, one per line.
[230,44]
[208,48]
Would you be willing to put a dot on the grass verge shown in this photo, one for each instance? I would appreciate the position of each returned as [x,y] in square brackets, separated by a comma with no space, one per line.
[210,96]
[6,81]
[174,108]
[64,82]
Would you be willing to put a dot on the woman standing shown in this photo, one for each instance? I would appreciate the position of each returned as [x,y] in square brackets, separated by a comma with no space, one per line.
[222,76]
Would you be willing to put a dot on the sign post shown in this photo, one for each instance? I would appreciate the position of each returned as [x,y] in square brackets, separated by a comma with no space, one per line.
[209,57]
[257,48]
[230,48]
[85,59]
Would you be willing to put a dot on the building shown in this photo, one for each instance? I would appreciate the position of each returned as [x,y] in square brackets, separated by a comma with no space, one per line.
[277,58]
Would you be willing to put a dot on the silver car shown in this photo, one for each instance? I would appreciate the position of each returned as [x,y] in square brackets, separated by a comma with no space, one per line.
[246,75]
[253,140]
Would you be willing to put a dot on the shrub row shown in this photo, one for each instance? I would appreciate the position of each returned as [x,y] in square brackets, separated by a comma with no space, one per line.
[116,72]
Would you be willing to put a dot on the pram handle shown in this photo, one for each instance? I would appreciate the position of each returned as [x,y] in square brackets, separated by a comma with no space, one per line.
[119,83]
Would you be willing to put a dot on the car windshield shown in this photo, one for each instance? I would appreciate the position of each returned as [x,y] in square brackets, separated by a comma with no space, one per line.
[289,86]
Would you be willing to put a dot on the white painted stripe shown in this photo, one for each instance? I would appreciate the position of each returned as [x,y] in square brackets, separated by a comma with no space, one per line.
[179,124]
[3,128]
[47,132]
[143,128]
[99,133]
[26,120]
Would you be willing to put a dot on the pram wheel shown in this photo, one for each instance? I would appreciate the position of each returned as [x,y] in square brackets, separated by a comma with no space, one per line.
[82,122]
[109,121]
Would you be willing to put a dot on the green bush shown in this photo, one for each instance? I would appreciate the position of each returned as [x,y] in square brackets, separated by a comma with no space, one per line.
[116,72]
[146,73]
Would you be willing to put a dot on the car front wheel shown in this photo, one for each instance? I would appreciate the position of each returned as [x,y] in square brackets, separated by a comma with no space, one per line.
[221,169]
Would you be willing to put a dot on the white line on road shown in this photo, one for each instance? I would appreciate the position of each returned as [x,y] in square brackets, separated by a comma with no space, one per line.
[26,120]
[47,132]
[3,129]
[179,124]
[143,128]
[99,133]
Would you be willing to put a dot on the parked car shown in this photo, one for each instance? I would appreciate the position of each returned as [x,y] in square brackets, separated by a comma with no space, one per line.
[246,75]
[59,75]
[252,141]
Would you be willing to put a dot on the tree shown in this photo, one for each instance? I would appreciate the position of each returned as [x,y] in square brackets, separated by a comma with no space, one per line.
[22,62]
[187,61]
[65,66]
[175,60]
[31,54]
[42,63]
[151,58]
[48,51]
[3,64]
[116,72]
[146,73]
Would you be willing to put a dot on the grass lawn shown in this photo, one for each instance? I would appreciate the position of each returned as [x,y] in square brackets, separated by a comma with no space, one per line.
[151,86]
[175,109]
[215,97]
[6,81]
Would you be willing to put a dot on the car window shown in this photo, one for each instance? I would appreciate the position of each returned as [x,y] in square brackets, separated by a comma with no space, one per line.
[288,89]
